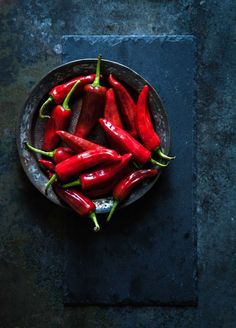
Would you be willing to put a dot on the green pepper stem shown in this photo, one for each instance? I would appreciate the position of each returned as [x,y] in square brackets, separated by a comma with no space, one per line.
[114,206]
[50,182]
[96,82]
[44,105]
[65,104]
[39,151]
[137,166]
[162,155]
[158,163]
[74,183]
[94,219]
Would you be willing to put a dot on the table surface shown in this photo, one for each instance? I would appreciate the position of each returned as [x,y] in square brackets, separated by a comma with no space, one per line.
[31,229]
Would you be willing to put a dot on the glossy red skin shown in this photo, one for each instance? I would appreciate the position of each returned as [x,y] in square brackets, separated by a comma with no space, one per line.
[60,91]
[81,162]
[103,176]
[127,105]
[59,120]
[108,188]
[77,201]
[92,108]
[126,142]
[62,153]
[145,129]
[124,188]
[101,191]
[111,111]
[48,165]
[77,144]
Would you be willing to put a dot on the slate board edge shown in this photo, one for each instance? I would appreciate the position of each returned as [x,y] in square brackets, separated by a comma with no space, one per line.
[112,37]
[195,169]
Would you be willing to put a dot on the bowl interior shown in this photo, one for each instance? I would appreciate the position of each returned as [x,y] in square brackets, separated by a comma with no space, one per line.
[31,128]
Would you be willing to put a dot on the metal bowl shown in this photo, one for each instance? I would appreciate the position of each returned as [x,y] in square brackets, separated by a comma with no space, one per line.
[31,128]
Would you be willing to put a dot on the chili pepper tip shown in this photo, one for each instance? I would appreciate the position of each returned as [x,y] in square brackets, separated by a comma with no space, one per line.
[114,206]
[94,218]
[158,163]
[50,182]
[44,105]
[164,156]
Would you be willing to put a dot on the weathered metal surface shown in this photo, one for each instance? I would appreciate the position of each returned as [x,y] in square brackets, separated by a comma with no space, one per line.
[147,253]
[31,127]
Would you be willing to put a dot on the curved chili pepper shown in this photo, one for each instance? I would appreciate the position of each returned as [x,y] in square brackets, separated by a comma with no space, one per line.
[111,111]
[58,155]
[81,162]
[59,120]
[92,105]
[107,188]
[146,132]
[78,202]
[76,143]
[124,188]
[58,93]
[100,177]
[128,143]
[127,105]
[48,165]
[101,191]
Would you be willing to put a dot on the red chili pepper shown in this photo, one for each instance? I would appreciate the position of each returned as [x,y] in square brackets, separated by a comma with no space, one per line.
[58,93]
[59,120]
[76,143]
[146,132]
[48,165]
[81,162]
[106,189]
[111,111]
[78,202]
[58,155]
[92,105]
[127,105]
[101,191]
[128,143]
[124,188]
[101,176]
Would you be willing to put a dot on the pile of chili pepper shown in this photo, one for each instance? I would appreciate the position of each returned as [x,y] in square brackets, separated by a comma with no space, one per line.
[80,170]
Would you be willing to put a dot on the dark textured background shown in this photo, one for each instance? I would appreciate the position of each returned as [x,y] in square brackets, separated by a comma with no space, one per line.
[31,255]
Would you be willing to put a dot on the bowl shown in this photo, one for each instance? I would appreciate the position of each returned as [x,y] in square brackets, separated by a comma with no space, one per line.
[30,127]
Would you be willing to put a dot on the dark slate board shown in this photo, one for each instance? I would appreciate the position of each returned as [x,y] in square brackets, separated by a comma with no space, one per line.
[148,254]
